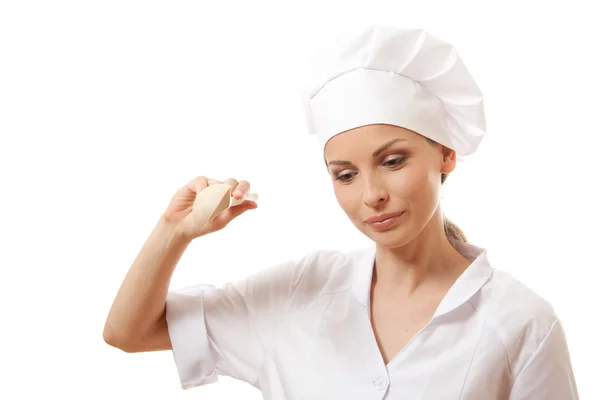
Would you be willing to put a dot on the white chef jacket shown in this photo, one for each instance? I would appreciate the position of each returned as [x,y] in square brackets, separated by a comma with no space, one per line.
[302,331]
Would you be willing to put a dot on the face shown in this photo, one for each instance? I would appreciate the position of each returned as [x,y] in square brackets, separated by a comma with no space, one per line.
[380,171]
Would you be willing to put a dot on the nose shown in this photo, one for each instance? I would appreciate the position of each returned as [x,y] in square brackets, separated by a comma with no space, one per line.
[375,194]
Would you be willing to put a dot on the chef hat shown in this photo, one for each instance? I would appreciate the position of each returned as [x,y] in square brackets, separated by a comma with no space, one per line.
[403,77]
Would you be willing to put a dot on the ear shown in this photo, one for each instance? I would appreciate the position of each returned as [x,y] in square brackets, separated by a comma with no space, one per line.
[448,160]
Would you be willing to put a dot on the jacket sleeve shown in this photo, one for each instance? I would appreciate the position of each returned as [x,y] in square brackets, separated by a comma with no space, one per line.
[228,330]
[548,375]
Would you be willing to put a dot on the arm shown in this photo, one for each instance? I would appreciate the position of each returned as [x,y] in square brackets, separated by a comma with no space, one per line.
[548,375]
[230,330]
[137,319]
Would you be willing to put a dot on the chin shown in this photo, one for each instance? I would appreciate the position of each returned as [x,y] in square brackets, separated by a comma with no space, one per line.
[390,239]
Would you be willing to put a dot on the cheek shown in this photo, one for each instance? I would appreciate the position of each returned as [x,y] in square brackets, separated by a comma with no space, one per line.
[407,183]
[413,186]
[348,199]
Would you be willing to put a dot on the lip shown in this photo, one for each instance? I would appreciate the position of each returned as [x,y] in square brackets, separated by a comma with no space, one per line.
[384,222]
[383,217]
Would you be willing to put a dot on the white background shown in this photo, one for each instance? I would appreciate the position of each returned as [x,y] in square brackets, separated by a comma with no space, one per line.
[108,107]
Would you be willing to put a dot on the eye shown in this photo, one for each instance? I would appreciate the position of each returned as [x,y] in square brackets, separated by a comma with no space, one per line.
[344,177]
[393,161]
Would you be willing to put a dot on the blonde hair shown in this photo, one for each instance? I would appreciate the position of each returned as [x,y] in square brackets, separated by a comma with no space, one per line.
[452,231]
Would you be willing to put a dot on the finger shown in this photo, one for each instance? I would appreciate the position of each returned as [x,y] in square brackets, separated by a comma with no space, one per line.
[197,184]
[231,182]
[242,189]
[214,181]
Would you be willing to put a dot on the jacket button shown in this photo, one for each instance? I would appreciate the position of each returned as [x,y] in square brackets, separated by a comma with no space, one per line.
[380,383]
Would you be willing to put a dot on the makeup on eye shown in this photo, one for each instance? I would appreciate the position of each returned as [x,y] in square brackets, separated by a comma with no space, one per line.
[394,160]
[344,177]
[390,161]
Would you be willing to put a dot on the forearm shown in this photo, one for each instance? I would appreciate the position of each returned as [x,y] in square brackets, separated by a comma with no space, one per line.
[140,301]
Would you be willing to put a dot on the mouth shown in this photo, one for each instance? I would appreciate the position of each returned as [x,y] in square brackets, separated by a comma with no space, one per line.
[385,221]
[383,217]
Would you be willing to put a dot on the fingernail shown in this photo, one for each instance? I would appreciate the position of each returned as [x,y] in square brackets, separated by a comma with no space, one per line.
[237,192]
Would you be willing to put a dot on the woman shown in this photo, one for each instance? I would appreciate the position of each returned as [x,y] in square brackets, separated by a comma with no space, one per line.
[419,315]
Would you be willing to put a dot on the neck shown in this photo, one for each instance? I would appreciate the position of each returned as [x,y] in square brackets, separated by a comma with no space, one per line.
[429,260]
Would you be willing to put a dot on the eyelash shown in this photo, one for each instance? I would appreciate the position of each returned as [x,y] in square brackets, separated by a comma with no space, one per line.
[394,162]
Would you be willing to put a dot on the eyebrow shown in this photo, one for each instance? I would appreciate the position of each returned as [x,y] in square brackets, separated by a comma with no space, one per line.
[375,153]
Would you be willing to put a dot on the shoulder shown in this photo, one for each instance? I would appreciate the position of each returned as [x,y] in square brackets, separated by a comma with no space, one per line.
[521,317]
[508,298]
[303,275]
[323,271]
[322,266]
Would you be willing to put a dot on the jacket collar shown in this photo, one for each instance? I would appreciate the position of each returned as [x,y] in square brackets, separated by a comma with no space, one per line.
[465,287]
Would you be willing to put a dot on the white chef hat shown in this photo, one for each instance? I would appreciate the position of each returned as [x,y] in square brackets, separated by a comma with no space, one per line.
[396,76]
